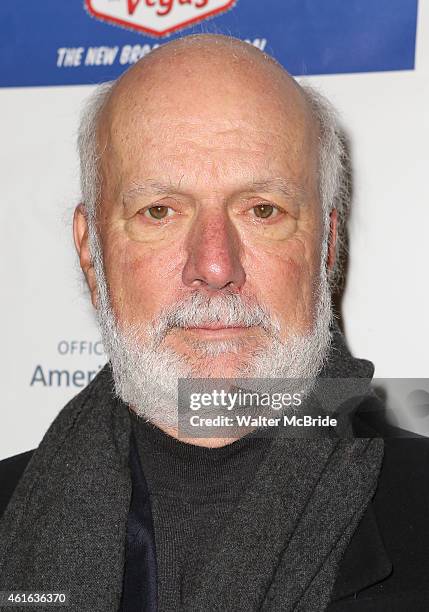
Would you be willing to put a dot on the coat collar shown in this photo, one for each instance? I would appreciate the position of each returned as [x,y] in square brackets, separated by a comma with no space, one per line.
[365,561]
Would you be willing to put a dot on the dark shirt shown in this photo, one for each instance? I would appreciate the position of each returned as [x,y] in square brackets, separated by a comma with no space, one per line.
[192,492]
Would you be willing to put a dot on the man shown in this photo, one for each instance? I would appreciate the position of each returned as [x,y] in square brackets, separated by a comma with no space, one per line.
[208,238]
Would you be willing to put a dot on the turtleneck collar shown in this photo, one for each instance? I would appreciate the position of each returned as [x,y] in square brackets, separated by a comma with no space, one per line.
[195,472]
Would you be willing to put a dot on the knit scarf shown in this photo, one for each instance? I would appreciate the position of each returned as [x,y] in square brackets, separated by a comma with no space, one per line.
[64,529]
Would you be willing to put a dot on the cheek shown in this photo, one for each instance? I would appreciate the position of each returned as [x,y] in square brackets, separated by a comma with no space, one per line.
[142,279]
[285,279]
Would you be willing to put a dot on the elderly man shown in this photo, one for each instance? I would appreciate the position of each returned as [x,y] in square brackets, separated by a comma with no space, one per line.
[208,238]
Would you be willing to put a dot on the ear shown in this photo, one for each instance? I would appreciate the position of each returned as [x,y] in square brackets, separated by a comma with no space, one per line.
[81,241]
[333,216]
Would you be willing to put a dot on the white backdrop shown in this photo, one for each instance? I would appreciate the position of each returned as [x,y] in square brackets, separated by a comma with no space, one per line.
[48,325]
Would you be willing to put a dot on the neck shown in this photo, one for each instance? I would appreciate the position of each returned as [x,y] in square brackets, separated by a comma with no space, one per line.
[203,442]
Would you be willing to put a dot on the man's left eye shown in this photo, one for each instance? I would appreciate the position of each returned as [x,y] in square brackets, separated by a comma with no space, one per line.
[157,212]
[265,211]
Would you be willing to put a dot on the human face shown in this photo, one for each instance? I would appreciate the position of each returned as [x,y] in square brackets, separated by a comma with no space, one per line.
[211,192]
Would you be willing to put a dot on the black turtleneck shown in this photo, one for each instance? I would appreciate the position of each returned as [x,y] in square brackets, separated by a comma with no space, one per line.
[192,492]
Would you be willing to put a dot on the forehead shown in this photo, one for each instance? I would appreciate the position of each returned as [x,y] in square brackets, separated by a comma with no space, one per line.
[209,119]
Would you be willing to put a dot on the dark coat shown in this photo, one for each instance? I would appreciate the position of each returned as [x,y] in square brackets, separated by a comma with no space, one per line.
[386,565]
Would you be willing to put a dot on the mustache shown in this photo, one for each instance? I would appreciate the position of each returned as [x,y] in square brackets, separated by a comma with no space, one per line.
[229,309]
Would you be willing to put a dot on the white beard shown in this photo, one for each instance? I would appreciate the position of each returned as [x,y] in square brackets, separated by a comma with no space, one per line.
[146,374]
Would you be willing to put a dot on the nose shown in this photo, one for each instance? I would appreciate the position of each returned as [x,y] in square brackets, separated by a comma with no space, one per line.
[213,254]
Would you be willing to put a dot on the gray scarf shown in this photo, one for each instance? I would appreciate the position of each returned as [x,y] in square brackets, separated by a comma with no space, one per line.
[65,527]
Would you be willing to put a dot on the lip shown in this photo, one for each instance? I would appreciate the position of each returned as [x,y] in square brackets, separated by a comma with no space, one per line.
[217,329]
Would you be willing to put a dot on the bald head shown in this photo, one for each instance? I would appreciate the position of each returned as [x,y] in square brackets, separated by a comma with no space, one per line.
[221,63]
[207,77]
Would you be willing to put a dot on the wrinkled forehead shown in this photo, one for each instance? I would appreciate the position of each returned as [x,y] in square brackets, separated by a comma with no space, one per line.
[210,102]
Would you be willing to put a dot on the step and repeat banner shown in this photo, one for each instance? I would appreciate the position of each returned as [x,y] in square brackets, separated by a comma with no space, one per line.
[75,42]
[370,57]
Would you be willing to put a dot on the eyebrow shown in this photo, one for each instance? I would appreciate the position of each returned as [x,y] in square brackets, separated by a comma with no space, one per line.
[152,187]
[286,187]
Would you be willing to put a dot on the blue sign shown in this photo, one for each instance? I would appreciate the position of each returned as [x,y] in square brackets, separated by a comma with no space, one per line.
[66,42]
